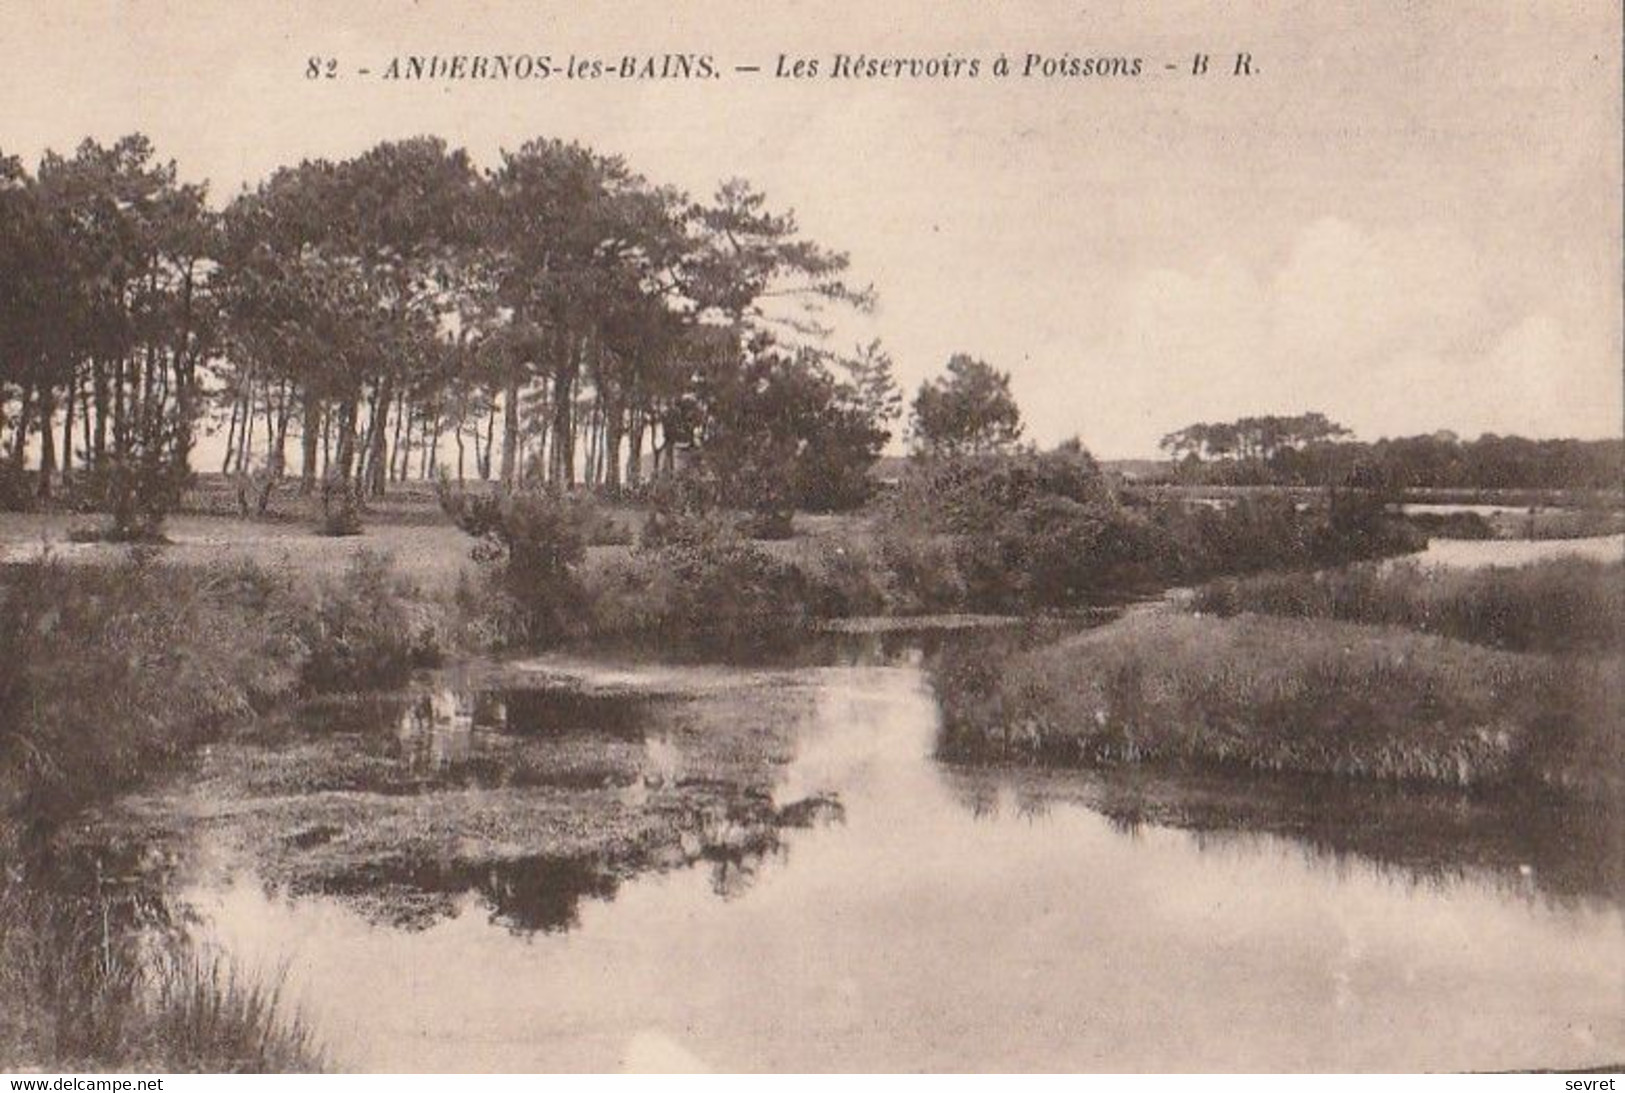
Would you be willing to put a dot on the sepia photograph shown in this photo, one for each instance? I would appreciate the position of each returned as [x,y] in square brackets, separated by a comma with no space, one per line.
[788,537]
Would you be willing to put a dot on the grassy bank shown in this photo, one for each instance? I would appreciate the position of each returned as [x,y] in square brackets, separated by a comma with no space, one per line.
[1561,605]
[109,674]
[1308,696]
[85,998]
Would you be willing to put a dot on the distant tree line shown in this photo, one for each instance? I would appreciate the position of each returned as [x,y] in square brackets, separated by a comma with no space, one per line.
[555,319]
[1311,449]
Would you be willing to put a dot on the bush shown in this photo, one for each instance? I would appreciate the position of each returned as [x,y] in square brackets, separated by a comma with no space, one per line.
[338,509]
[113,986]
[843,580]
[17,488]
[359,631]
[1451,525]
[774,526]
[532,546]
[1270,531]
[700,577]
[108,671]
[1023,532]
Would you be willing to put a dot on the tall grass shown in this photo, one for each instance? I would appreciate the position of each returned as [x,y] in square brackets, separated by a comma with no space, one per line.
[208,1015]
[1309,696]
[107,672]
[91,986]
[1560,605]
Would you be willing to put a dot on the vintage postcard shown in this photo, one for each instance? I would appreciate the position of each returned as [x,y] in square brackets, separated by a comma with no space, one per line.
[811,537]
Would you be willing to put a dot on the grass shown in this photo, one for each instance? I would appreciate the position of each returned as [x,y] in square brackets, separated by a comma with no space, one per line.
[1308,696]
[1559,605]
[87,993]
[109,672]
[1557,523]
[209,1016]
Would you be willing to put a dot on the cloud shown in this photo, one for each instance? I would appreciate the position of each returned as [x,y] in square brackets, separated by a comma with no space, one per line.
[1389,331]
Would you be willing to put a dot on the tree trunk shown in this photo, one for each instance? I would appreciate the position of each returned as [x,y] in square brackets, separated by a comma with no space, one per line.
[309,438]
[490,440]
[377,460]
[279,447]
[510,432]
[346,439]
[25,415]
[98,380]
[634,452]
[67,428]
[563,470]
[47,440]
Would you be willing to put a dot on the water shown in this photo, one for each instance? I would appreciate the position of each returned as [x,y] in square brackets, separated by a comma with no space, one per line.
[835,898]
[1411,508]
[1477,553]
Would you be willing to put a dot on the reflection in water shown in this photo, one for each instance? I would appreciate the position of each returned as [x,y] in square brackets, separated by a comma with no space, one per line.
[78,924]
[524,895]
[1527,846]
[882,911]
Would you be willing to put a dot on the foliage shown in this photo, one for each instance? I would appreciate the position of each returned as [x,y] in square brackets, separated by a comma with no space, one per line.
[968,410]
[358,631]
[1311,449]
[371,308]
[338,509]
[1273,532]
[700,577]
[1451,525]
[16,488]
[113,986]
[1262,437]
[532,545]
[845,580]
[1028,531]
[106,671]
[921,571]
[778,430]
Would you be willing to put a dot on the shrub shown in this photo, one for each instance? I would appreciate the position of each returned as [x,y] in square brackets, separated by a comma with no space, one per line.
[1451,525]
[136,492]
[532,546]
[966,495]
[111,988]
[338,509]
[922,572]
[1271,531]
[17,488]
[772,526]
[1024,532]
[108,671]
[359,631]
[699,576]
[844,580]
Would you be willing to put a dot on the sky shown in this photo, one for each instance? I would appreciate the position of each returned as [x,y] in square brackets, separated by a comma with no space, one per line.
[1408,218]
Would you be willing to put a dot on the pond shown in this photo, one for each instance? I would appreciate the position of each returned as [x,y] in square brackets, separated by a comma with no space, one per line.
[617,862]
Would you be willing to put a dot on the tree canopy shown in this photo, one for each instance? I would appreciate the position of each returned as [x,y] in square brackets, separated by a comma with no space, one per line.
[969,409]
[555,318]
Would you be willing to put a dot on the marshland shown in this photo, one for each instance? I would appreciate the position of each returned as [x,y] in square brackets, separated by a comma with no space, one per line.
[452,620]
